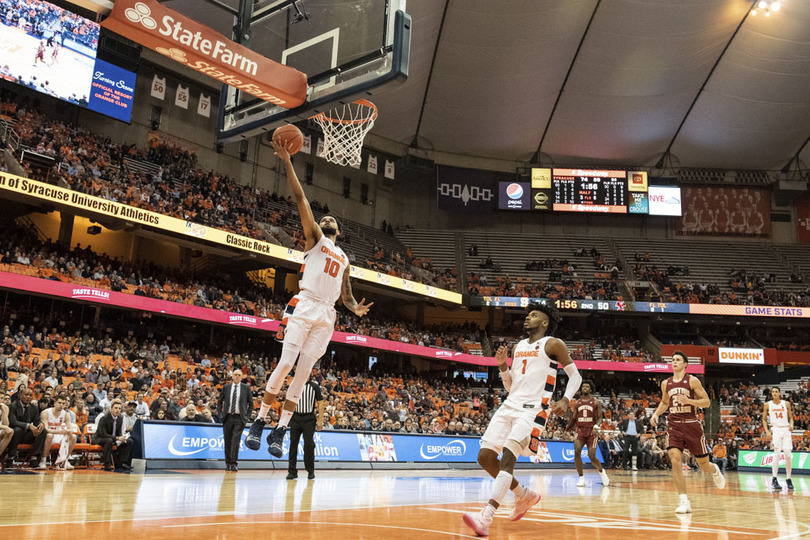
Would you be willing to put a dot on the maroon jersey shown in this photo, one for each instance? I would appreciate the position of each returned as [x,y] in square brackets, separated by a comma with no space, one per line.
[681,413]
[586,414]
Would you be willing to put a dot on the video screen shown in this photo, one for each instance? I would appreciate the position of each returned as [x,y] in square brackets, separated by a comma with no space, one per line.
[51,50]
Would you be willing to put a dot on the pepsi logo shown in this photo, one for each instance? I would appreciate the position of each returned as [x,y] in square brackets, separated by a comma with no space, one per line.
[514,191]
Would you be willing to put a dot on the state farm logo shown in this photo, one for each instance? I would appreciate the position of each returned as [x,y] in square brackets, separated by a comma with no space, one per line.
[175,54]
[140,13]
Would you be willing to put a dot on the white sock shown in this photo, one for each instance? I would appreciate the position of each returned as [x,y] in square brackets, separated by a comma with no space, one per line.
[520,491]
[775,466]
[285,418]
[263,411]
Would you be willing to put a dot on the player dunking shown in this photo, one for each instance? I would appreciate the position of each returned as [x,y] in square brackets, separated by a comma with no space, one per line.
[309,318]
[586,419]
[683,394]
[516,426]
[780,415]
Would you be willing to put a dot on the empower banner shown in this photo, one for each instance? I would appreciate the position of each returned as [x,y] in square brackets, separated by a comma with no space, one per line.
[78,201]
[203,49]
[187,441]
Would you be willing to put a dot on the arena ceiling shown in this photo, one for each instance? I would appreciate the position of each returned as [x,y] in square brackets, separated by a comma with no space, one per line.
[599,82]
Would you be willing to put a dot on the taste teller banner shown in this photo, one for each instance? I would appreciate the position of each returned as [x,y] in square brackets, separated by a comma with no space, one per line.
[721,211]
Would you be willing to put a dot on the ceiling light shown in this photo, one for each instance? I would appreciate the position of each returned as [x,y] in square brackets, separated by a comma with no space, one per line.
[762,4]
[767,12]
[775,6]
[754,11]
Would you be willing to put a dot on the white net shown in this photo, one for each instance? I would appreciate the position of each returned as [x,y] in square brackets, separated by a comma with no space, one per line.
[344,129]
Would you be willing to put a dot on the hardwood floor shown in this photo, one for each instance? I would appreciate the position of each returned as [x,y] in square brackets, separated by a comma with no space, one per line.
[387,504]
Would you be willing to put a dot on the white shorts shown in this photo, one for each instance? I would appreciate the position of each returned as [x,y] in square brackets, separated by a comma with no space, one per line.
[509,423]
[309,326]
[782,439]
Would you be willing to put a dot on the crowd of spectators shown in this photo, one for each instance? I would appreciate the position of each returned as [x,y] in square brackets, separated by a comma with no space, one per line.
[745,287]
[23,252]
[94,165]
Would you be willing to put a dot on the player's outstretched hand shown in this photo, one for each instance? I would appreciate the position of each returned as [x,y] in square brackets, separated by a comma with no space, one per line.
[654,420]
[501,354]
[281,150]
[362,308]
[560,407]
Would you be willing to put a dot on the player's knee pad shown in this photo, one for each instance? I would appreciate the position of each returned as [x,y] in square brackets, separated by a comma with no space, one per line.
[276,380]
[298,382]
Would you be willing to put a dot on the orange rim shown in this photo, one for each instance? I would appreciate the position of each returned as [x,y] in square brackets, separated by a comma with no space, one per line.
[363,102]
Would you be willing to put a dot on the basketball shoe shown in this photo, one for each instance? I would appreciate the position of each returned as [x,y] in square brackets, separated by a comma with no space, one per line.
[719,479]
[789,483]
[274,441]
[581,481]
[522,504]
[685,507]
[478,522]
[605,479]
[775,485]
[254,436]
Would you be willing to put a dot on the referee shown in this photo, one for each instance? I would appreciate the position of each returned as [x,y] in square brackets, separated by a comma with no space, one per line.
[304,421]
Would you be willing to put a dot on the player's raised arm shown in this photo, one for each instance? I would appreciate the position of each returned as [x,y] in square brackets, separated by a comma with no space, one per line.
[312,231]
[555,348]
[664,405]
[506,376]
[347,297]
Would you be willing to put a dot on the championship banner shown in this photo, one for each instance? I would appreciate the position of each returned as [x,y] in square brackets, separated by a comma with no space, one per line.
[465,190]
[159,87]
[803,218]
[181,97]
[26,187]
[721,211]
[203,49]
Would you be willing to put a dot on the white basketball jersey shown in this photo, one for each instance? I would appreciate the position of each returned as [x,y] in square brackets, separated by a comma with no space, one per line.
[323,269]
[534,374]
[55,423]
[778,415]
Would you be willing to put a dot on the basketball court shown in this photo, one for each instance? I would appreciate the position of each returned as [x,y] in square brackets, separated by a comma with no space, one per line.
[390,504]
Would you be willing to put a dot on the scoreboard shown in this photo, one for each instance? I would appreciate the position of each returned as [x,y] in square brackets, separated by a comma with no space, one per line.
[589,191]
[578,190]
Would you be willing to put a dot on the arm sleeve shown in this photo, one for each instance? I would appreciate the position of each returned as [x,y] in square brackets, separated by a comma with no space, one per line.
[574,381]
[506,377]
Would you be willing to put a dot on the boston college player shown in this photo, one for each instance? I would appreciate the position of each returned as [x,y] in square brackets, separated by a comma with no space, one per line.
[683,394]
[309,318]
[587,416]
[781,416]
[516,426]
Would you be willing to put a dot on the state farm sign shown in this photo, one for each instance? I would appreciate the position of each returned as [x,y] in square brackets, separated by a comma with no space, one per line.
[741,356]
[205,50]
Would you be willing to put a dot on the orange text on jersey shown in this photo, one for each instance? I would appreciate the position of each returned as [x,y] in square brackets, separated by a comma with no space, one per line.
[332,254]
[529,354]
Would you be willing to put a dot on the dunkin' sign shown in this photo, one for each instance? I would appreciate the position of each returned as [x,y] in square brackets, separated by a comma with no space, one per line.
[205,50]
[735,355]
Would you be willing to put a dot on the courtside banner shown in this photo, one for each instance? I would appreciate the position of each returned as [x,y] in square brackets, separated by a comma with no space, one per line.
[195,441]
[203,49]
[75,200]
[763,459]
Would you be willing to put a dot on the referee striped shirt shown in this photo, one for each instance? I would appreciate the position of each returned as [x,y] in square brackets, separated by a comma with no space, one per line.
[310,395]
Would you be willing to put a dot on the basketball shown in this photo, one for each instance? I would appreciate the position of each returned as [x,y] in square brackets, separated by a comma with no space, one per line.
[290,136]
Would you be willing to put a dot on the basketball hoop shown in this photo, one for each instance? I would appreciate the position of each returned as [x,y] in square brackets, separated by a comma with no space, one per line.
[344,129]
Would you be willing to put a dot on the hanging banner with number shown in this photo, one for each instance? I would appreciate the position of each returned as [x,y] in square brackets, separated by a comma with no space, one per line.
[204,106]
[181,98]
[159,87]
